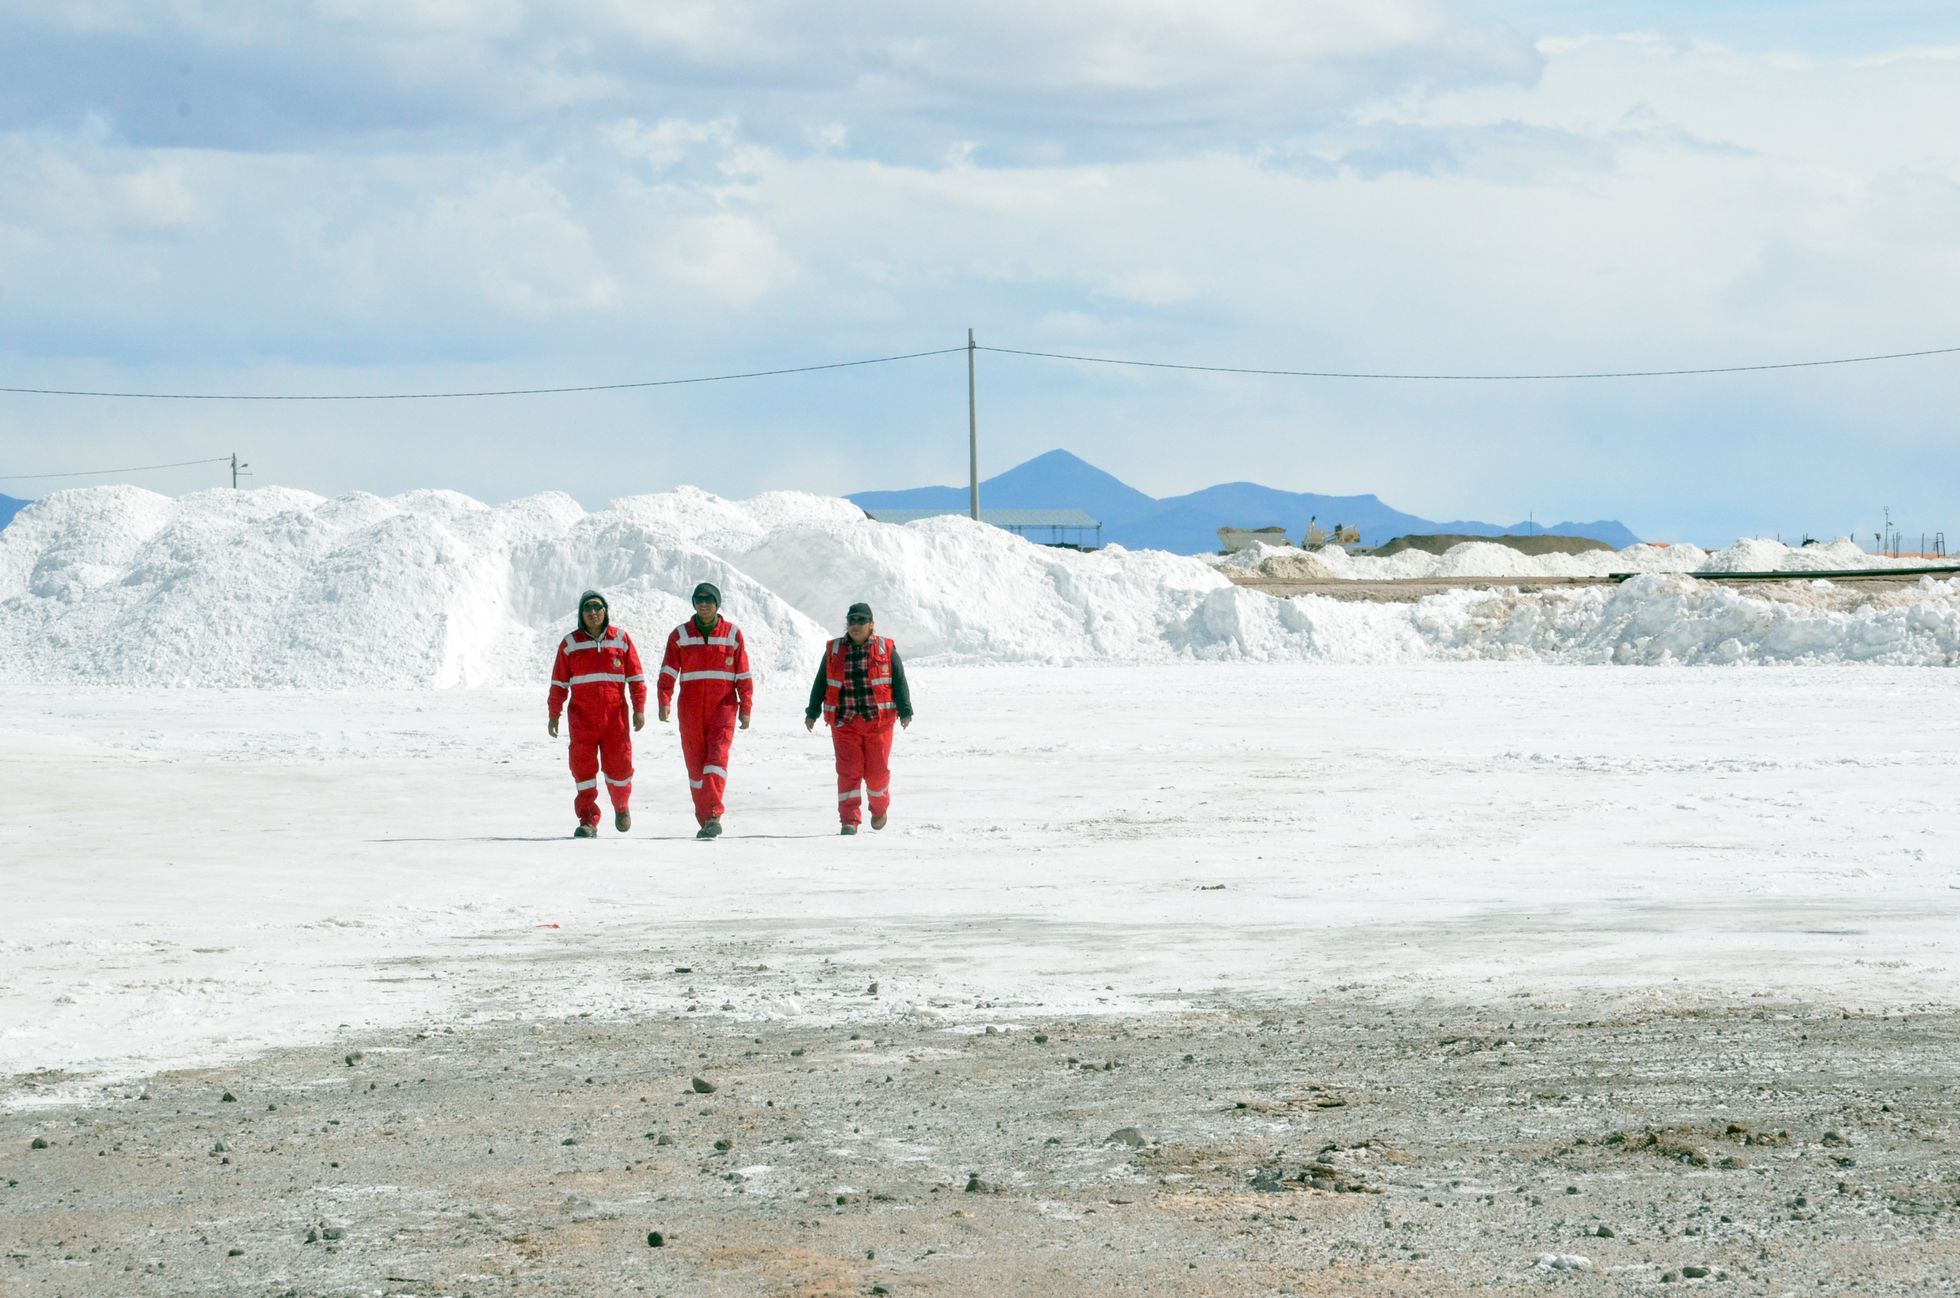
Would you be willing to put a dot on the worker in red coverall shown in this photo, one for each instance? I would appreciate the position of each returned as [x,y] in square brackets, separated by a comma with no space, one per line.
[708,662]
[596,670]
[860,689]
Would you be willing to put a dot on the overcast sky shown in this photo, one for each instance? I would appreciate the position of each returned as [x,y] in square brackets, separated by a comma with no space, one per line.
[414,195]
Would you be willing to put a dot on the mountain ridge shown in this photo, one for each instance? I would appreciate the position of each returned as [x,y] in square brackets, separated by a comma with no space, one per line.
[1188,523]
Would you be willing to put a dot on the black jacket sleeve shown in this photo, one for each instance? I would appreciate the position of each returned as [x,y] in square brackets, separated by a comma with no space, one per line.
[815,707]
[901,692]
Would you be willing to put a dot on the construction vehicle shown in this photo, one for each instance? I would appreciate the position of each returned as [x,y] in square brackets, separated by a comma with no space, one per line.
[1342,534]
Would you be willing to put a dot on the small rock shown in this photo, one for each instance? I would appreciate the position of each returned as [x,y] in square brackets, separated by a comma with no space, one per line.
[39,1142]
[227,1098]
[1604,1232]
[1041,1038]
[1694,1272]
[702,1086]
[569,1140]
[992,1031]
[1669,1277]
[220,1147]
[1562,1262]
[312,1236]
[1130,1136]
[332,1232]
[1269,1180]
[974,1185]
[724,1144]
[236,1252]
[655,1239]
[872,990]
[354,1058]
[665,1139]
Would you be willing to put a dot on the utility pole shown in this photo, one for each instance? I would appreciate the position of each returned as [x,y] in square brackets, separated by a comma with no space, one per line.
[972,434]
[236,467]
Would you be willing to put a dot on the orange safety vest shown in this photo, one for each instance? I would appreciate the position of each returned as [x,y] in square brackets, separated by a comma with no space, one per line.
[877,674]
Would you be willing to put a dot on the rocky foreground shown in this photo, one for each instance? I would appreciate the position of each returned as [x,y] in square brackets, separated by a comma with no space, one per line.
[1341,1147]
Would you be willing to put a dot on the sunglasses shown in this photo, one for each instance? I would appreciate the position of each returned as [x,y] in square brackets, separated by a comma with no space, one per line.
[592,608]
[857,621]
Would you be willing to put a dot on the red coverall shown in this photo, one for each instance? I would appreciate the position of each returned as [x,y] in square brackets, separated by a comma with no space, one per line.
[711,670]
[590,673]
[863,744]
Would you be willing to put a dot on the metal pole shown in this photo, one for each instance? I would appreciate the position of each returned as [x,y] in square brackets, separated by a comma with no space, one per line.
[972,435]
[234,470]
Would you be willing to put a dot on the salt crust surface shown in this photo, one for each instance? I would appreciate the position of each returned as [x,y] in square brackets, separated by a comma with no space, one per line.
[282,588]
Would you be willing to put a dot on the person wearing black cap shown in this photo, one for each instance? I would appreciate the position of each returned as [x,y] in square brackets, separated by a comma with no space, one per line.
[860,689]
[707,661]
[596,671]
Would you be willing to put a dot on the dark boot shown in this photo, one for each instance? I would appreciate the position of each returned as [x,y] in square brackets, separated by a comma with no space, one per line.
[847,829]
[622,820]
[585,831]
[712,829]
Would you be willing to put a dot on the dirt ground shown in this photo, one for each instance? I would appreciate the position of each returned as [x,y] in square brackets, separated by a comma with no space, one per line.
[1346,1146]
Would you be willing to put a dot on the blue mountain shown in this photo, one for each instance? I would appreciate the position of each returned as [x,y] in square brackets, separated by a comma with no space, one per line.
[1188,524]
[9,507]
[1056,480]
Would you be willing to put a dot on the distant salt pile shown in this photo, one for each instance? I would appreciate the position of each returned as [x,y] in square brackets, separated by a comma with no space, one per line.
[1488,559]
[284,588]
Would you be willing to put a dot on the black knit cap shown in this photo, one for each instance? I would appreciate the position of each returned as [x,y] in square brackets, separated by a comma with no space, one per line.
[709,589]
[857,610]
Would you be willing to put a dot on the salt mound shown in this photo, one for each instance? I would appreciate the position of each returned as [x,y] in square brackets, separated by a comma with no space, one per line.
[1503,562]
[1295,565]
[1653,619]
[284,588]
[1758,555]
[1279,562]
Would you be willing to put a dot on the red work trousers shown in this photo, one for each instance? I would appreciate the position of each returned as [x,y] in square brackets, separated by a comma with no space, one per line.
[864,757]
[706,735]
[610,750]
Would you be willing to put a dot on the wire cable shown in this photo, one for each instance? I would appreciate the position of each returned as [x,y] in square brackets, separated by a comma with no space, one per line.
[498,392]
[97,473]
[947,351]
[1474,378]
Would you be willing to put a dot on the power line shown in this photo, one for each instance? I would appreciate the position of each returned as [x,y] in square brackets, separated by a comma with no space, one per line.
[947,351]
[97,473]
[1475,378]
[498,392]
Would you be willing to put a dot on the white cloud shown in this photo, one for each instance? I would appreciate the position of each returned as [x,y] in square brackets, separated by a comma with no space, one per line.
[733,259]
[63,192]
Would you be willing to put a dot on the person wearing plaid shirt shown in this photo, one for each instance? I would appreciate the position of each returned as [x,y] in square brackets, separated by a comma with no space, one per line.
[861,691]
